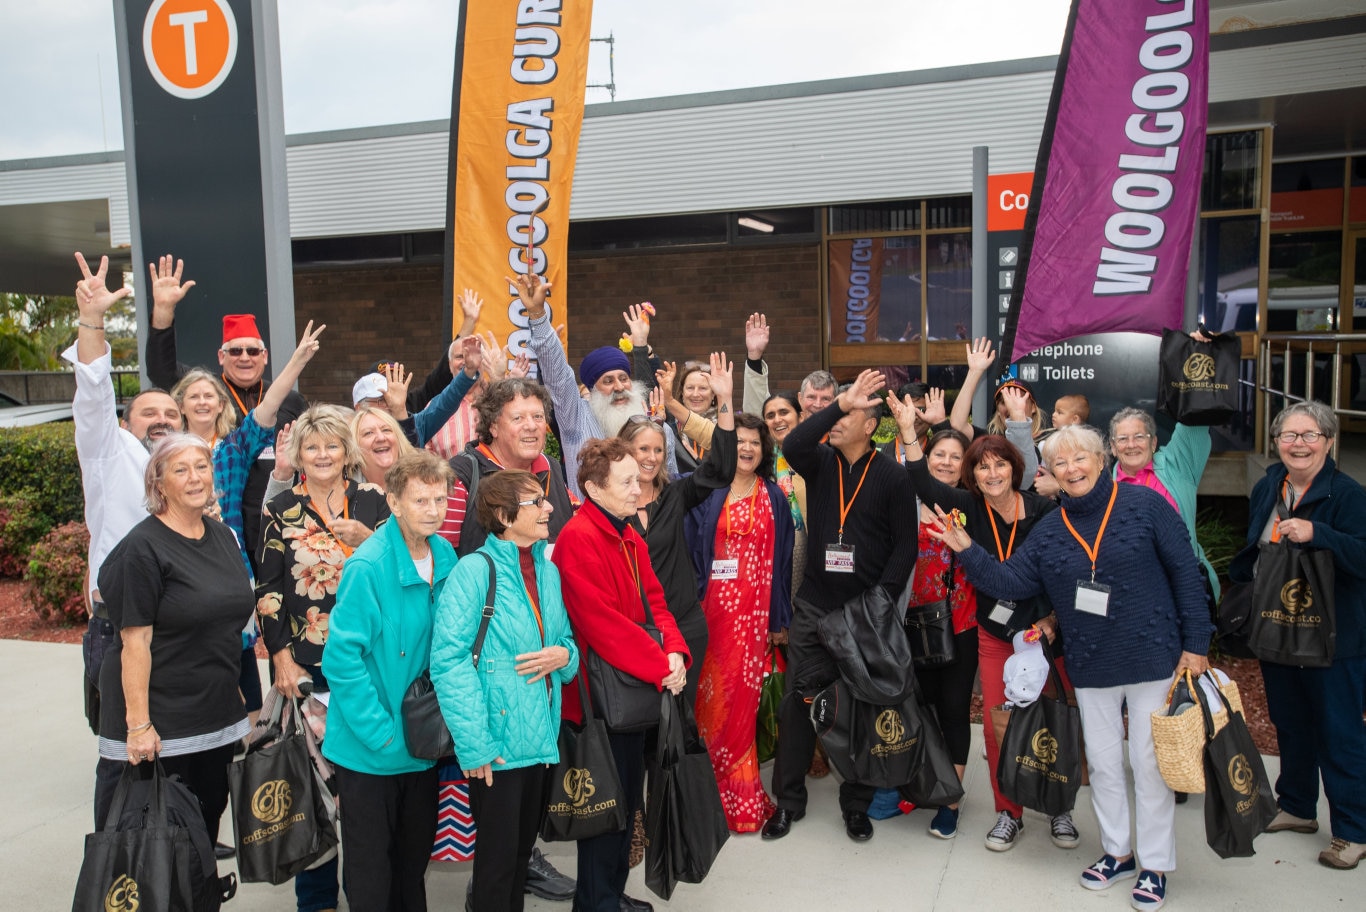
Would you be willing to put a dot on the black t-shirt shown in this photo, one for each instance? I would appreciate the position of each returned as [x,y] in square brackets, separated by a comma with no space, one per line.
[196,597]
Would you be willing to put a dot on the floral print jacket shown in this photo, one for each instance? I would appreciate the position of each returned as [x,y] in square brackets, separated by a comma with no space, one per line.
[301,565]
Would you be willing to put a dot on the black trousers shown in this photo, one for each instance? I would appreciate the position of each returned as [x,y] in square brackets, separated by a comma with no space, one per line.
[809,669]
[205,773]
[507,818]
[948,689]
[604,860]
[387,835]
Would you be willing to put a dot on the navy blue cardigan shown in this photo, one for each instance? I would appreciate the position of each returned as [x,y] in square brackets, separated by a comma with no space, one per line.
[1157,603]
[700,528]
[1336,505]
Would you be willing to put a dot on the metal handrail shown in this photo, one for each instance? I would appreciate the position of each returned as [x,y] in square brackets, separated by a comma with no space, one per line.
[1290,344]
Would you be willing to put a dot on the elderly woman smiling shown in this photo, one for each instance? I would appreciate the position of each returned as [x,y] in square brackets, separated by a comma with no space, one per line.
[1117,564]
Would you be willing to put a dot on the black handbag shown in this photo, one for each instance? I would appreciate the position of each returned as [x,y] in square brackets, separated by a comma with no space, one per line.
[929,628]
[685,824]
[1197,382]
[624,702]
[424,728]
[1040,765]
[586,798]
[282,813]
[881,746]
[1239,804]
[1232,618]
[1292,620]
[152,852]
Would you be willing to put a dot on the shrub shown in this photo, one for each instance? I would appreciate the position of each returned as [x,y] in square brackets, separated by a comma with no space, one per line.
[40,463]
[57,572]
[21,525]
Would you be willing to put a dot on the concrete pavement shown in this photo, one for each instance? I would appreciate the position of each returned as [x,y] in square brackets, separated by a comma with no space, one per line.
[47,771]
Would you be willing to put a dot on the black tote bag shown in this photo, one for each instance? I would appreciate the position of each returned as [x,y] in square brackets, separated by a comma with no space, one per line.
[138,859]
[1041,754]
[1292,619]
[280,812]
[1198,381]
[881,746]
[1239,804]
[935,783]
[685,825]
[586,798]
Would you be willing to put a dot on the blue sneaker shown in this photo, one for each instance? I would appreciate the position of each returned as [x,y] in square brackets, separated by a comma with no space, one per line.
[1150,892]
[1107,872]
[945,823]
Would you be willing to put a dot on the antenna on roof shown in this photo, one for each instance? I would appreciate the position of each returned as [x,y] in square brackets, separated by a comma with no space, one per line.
[611,84]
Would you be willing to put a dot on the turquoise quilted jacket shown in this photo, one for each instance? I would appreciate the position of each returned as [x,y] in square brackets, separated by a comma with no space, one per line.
[492,711]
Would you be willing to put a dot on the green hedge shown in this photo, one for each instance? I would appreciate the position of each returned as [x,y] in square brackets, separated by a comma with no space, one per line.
[39,464]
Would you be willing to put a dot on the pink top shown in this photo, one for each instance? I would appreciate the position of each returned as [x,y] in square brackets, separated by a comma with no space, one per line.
[1148,478]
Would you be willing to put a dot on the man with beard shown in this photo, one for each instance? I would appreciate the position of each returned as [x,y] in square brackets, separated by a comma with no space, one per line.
[613,398]
[113,455]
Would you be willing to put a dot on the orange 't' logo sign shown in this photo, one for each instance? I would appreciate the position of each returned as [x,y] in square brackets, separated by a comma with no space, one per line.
[190,45]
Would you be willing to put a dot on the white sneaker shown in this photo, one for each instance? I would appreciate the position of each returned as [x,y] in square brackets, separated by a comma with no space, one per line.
[1002,836]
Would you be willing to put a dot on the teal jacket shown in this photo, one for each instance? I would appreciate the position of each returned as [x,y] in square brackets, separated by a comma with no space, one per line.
[493,711]
[379,640]
[1179,466]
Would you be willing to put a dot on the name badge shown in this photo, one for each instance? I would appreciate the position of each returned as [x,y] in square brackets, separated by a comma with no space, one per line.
[839,558]
[722,569]
[1002,612]
[1093,598]
[267,453]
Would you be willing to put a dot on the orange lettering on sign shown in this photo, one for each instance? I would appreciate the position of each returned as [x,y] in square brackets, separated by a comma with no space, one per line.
[190,45]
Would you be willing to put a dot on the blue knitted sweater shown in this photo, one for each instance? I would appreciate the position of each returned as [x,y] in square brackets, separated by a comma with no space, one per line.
[1157,604]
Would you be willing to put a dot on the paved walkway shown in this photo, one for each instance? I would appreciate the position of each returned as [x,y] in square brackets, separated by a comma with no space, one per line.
[48,761]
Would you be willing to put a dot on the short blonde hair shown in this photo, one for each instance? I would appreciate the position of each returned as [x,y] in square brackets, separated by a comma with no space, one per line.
[1075,438]
[327,422]
[404,446]
[168,448]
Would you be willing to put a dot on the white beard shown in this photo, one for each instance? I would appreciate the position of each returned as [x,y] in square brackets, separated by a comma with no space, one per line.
[613,417]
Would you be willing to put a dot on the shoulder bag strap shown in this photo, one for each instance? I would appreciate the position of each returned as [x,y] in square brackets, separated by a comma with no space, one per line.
[473,487]
[488,609]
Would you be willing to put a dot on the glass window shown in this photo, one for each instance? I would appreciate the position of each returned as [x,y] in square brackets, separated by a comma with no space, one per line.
[360,248]
[902,215]
[767,223]
[666,231]
[948,285]
[874,290]
[1303,277]
[1232,163]
[1306,194]
[1229,250]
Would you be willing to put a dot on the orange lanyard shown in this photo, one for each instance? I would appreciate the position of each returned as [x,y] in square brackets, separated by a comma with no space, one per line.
[753,495]
[846,507]
[1014,524]
[488,454]
[1091,552]
[698,451]
[322,515]
[260,387]
[1276,527]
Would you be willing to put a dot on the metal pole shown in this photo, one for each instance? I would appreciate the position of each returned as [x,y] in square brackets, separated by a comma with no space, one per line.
[980,272]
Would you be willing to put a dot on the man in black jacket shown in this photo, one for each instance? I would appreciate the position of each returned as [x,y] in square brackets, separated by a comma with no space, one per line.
[862,533]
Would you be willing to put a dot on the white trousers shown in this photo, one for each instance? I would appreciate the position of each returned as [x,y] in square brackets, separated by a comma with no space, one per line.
[1102,721]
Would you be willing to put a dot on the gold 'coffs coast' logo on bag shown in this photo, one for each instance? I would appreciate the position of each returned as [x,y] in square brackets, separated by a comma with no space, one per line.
[889,726]
[578,785]
[272,801]
[1296,596]
[1045,746]
[1198,367]
[1241,775]
[122,895]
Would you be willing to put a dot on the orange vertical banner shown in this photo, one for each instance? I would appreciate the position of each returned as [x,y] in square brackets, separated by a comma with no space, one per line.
[516,114]
[855,289]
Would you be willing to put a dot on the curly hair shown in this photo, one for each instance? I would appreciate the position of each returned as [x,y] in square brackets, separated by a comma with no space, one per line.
[596,458]
[490,405]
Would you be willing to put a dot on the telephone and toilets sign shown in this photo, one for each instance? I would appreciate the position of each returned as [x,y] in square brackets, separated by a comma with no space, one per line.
[1112,370]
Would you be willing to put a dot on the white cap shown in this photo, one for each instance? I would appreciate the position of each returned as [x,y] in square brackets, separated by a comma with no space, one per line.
[371,386]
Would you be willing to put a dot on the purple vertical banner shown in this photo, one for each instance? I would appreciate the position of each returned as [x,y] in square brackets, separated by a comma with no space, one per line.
[1117,183]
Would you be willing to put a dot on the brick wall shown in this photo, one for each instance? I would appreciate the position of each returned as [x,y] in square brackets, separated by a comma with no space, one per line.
[703,297]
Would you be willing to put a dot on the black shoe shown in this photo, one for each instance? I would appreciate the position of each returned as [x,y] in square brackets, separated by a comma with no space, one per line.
[627,904]
[223,851]
[1182,797]
[780,824]
[858,826]
[543,880]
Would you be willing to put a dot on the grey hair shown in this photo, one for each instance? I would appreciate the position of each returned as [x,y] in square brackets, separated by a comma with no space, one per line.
[1072,439]
[819,379]
[325,421]
[168,448]
[1127,414]
[1312,409]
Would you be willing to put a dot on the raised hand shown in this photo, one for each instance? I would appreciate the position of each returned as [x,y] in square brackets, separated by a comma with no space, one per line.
[396,393]
[521,365]
[859,395]
[473,347]
[722,376]
[470,305]
[308,344]
[980,355]
[1017,403]
[756,336]
[532,292]
[93,297]
[284,469]
[933,413]
[656,402]
[904,413]
[495,363]
[637,325]
[167,289]
[664,378]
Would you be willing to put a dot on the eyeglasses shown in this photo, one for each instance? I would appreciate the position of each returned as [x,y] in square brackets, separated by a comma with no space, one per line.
[1134,438]
[641,419]
[237,351]
[1289,437]
[533,502]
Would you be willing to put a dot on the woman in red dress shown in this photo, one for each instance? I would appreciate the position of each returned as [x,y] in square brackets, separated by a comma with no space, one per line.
[741,539]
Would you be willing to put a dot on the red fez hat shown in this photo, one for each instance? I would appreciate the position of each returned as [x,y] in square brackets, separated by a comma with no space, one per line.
[240,326]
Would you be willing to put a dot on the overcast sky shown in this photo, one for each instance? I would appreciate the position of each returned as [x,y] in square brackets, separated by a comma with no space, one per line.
[351,63]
